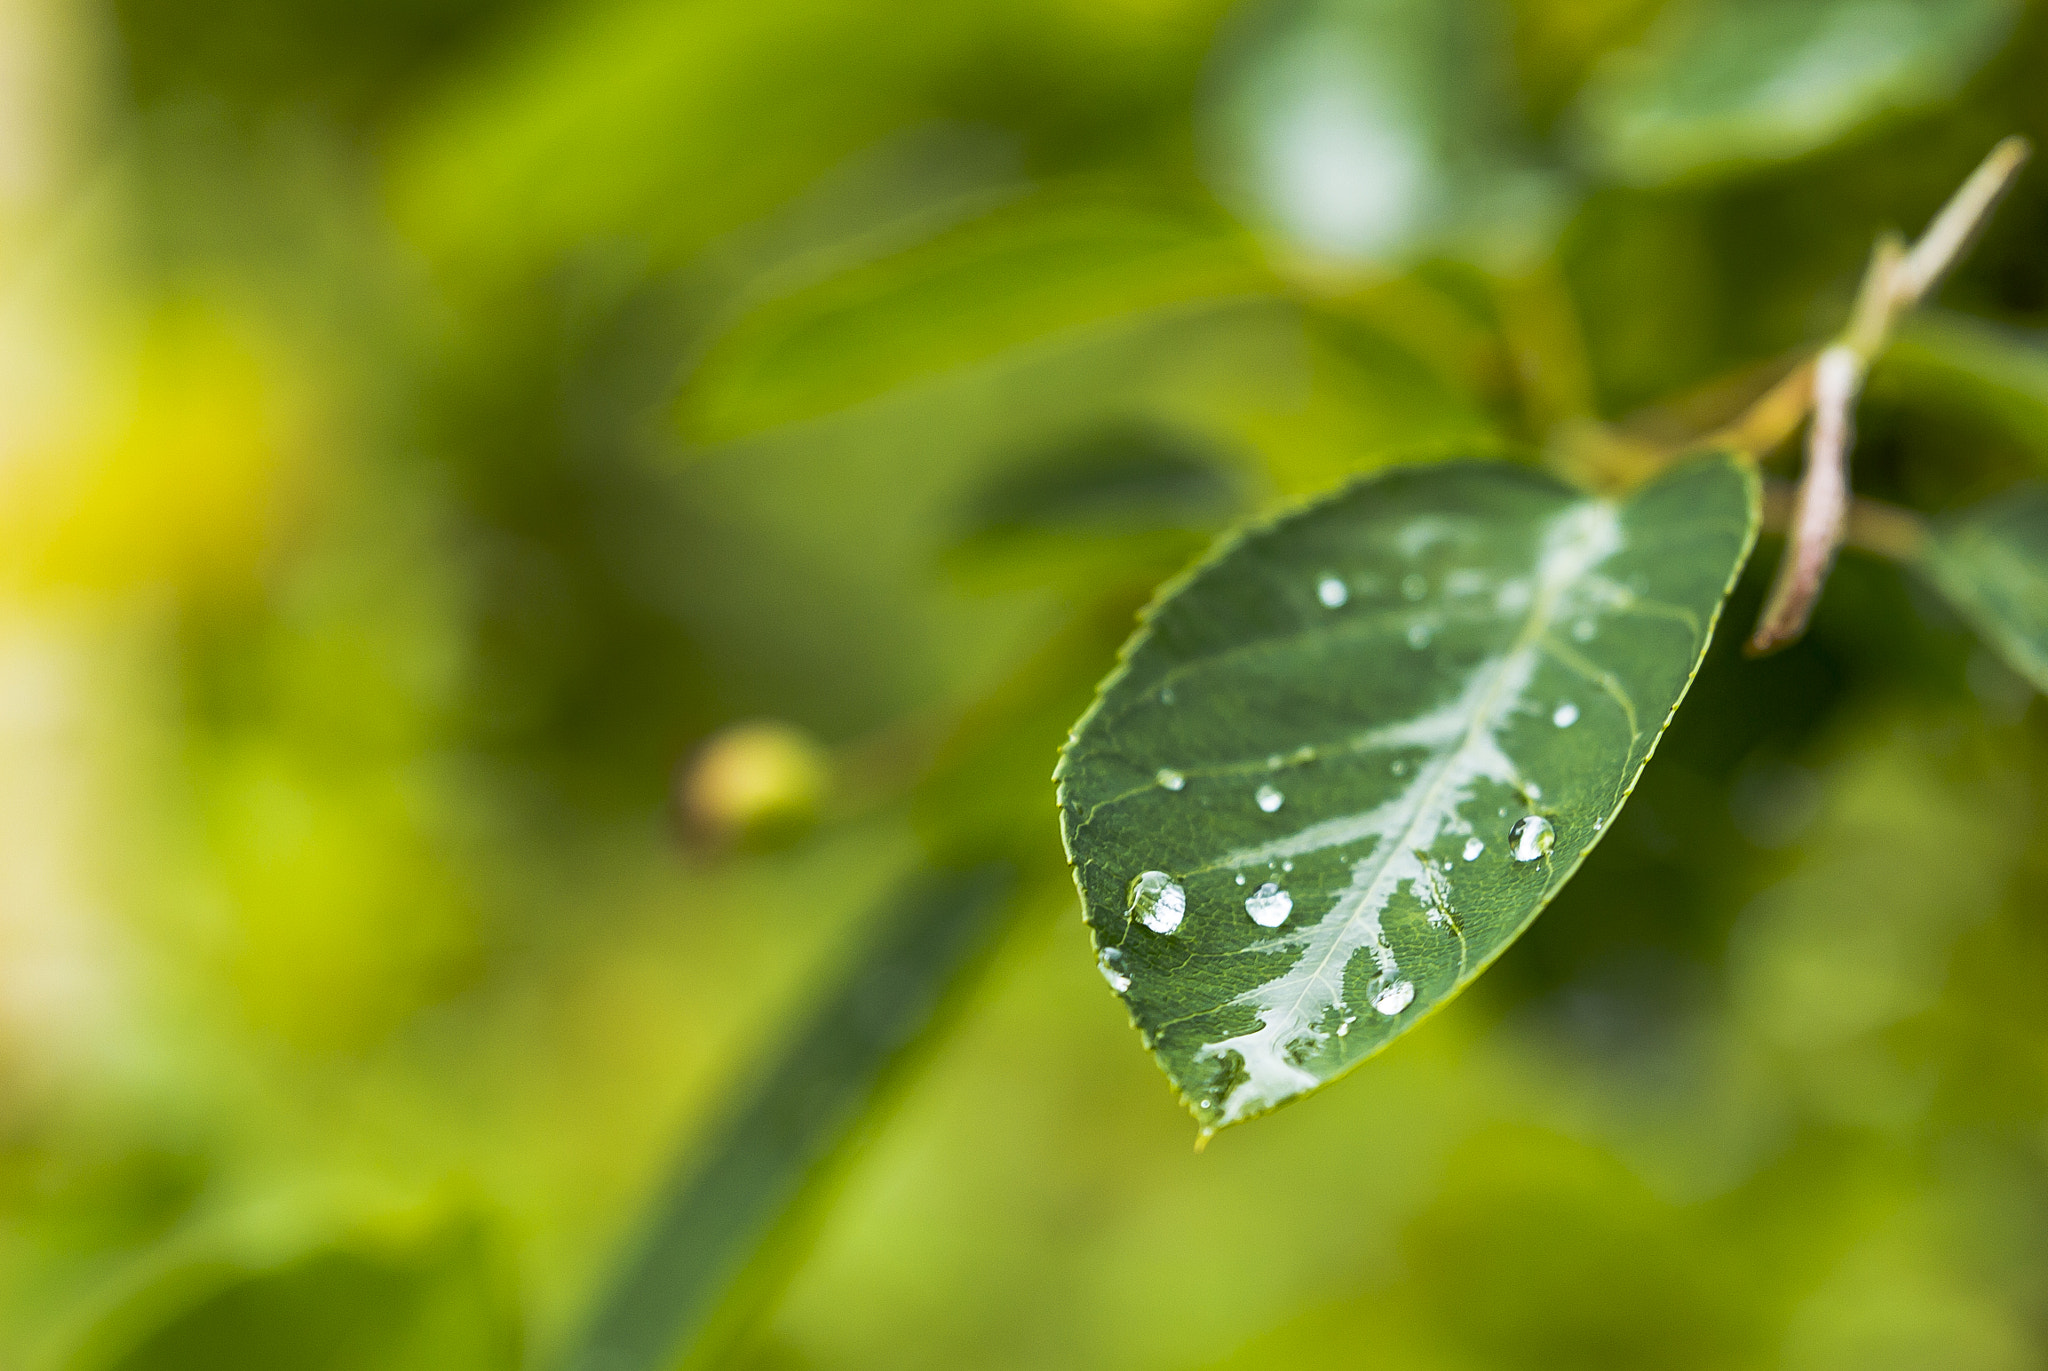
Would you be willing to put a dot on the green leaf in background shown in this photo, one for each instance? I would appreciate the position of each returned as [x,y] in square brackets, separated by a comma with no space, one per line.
[1723,84]
[1981,369]
[1348,759]
[1013,278]
[1378,130]
[1991,563]
[718,1242]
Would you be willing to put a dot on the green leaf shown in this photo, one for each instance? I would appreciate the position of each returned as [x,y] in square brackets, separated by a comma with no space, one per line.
[1009,279]
[1724,84]
[721,1237]
[1991,563]
[1377,130]
[1346,761]
[1987,370]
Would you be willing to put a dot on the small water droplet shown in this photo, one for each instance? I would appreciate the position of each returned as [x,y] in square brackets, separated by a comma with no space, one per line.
[1394,998]
[1531,837]
[1583,630]
[1414,585]
[1332,592]
[1399,768]
[1269,799]
[1532,790]
[1473,847]
[1344,1029]
[1108,963]
[1240,878]
[1565,715]
[1287,866]
[1269,906]
[1418,635]
[1171,779]
[1158,901]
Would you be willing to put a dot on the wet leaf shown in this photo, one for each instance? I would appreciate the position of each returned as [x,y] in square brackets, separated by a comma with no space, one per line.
[1348,759]
[1726,84]
[1991,563]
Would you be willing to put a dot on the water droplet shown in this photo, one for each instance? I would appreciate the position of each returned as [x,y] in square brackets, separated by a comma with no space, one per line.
[1108,963]
[1274,761]
[1394,998]
[1414,585]
[1158,901]
[1171,779]
[1583,630]
[1418,635]
[1531,837]
[1532,790]
[1331,592]
[1240,878]
[1269,906]
[1287,866]
[1269,799]
[1344,1029]
[1399,768]
[1565,715]
[1473,847]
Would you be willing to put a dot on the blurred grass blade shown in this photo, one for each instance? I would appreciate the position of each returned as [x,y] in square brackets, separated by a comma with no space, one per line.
[1991,563]
[1345,762]
[1728,84]
[720,1237]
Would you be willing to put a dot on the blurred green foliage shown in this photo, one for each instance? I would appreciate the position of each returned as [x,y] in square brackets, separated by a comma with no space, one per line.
[427,424]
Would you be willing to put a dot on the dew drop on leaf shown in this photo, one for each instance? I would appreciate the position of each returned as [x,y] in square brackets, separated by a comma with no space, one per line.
[1531,837]
[1394,998]
[1332,592]
[1110,962]
[1269,905]
[1269,799]
[1473,847]
[1158,901]
[1171,779]
[1565,716]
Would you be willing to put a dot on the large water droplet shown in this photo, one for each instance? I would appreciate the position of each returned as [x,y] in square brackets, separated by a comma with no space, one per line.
[1565,715]
[1269,905]
[1531,837]
[1394,998]
[1269,799]
[1158,901]
[1171,779]
[1332,591]
[1473,847]
[1109,964]
[1414,585]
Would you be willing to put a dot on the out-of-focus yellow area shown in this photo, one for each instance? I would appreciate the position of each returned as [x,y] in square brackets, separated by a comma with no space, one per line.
[520,521]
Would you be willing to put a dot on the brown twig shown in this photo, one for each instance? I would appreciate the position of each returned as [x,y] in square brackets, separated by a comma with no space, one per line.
[1897,279]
